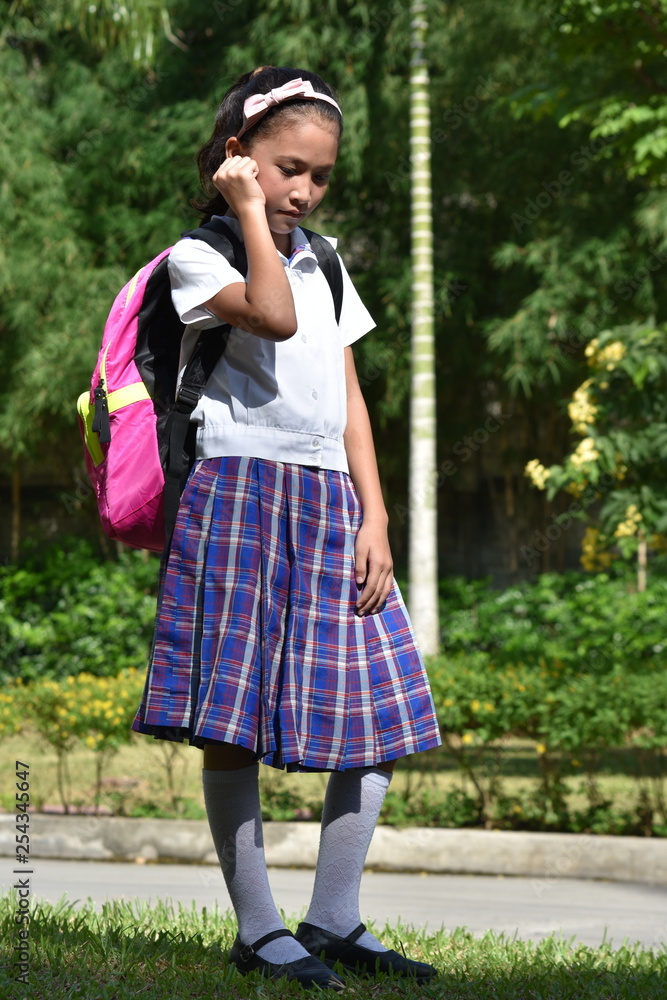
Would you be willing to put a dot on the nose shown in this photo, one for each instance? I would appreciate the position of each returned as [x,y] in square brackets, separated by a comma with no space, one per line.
[300,193]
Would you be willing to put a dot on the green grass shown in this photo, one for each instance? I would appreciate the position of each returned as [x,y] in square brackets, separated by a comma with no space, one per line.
[158,952]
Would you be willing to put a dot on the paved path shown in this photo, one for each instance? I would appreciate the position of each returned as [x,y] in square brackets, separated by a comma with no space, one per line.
[585,910]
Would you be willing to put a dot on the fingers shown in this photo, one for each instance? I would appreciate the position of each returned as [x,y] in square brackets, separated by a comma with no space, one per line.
[237,174]
[377,583]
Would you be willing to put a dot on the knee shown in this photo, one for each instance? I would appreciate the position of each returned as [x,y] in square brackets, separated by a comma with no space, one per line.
[226,757]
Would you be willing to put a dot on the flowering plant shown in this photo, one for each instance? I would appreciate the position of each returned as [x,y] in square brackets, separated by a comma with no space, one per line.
[616,470]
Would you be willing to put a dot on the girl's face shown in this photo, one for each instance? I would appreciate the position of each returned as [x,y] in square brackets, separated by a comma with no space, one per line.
[294,169]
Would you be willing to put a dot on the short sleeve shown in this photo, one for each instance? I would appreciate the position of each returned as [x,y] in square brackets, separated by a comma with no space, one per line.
[355,319]
[197,272]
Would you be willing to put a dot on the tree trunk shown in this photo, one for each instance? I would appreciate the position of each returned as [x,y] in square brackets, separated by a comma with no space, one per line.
[15,537]
[423,548]
[641,563]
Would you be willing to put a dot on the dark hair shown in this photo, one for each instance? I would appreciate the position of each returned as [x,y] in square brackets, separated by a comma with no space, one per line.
[229,120]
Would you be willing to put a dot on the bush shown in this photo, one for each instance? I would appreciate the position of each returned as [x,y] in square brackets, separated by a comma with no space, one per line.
[582,620]
[65,610]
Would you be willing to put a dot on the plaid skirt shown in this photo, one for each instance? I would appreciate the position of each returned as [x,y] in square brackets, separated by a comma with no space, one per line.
[257,642]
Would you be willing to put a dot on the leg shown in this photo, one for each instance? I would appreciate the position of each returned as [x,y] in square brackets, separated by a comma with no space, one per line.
[351,809]
[333,924]
[231,793]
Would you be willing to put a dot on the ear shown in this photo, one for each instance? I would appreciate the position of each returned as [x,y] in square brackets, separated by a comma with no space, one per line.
[233,147]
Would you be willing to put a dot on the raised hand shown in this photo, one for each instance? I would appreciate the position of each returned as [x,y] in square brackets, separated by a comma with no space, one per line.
[236,180]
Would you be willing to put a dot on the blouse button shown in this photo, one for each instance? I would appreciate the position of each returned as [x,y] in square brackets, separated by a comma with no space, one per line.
[304,337]
[314,394]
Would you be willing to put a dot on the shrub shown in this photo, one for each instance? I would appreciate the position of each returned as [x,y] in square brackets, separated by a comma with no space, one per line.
[583,621]
[65,610]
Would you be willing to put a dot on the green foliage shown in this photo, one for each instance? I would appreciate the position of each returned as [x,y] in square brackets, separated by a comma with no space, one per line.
[66,610]
[455,808]
[585,622]
[573,663]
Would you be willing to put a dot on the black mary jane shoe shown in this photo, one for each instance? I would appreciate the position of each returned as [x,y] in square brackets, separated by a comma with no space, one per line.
[307,971]
[331,949]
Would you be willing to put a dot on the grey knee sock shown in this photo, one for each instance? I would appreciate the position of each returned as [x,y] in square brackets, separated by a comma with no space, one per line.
[235,819]
[351,808]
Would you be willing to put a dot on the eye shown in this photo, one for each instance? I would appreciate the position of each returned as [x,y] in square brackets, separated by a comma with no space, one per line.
[322,178]
[288,171]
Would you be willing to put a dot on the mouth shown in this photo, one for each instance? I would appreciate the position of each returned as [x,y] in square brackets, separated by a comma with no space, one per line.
[293,215]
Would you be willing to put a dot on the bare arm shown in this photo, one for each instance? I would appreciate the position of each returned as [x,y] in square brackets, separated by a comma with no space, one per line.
[263,304]
[373,562]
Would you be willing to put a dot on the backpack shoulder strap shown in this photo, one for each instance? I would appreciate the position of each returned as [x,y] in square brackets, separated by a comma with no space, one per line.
[327,258]
[207,352]
[223,239]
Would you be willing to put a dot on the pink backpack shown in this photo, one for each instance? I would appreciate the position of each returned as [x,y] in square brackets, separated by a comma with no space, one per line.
[136,429]
[139,442]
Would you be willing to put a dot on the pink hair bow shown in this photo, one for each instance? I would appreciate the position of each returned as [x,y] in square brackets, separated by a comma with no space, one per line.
[255,107]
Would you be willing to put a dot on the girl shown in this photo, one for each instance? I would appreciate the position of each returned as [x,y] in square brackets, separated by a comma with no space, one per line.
[280,634]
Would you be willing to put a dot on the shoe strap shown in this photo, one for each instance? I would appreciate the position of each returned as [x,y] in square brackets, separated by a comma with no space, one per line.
[248,950]
[355,934]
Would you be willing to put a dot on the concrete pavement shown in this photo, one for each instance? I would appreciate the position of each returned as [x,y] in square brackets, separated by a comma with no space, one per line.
[589,911]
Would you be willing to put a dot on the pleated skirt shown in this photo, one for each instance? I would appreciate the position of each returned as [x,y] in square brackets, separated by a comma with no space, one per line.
[257,642]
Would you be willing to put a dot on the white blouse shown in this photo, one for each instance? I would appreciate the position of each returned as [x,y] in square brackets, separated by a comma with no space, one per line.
[281,401]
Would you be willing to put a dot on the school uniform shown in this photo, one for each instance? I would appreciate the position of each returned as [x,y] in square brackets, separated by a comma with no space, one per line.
[257,641]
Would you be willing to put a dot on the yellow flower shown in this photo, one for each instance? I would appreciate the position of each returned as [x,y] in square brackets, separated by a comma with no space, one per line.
[581,410]
[537,473]
[540,748]
[447,703]
[475,705]
[468,738]
[611,355]
[628,528]
[591,348]
[489,706]
[585,452]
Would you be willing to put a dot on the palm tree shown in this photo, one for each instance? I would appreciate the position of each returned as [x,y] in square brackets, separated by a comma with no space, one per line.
[423,558]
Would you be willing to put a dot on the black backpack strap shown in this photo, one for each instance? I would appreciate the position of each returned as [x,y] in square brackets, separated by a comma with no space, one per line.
[223,239]
[327,258]
[206,353]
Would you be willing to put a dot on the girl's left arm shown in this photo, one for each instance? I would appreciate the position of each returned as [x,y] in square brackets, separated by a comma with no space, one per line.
[373,562]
